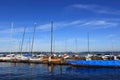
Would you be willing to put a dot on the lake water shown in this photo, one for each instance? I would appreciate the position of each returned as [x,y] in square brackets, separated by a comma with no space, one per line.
[22,71]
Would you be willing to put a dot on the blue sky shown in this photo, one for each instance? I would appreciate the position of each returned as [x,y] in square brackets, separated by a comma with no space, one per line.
[73,19]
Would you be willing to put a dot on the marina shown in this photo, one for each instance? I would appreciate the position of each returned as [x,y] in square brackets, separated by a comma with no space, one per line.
[59,40]
[89,60]
[64,59]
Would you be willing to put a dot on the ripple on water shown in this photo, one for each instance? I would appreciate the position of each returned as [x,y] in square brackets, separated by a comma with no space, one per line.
[21,71]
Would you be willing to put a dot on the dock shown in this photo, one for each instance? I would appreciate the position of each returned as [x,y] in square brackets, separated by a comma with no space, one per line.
[79,61]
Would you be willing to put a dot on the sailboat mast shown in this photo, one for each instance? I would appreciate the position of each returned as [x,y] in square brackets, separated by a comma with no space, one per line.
[33,38]
[88,42]
[51,36]
[11,37]
[29,44]
[54,44]
[23,40]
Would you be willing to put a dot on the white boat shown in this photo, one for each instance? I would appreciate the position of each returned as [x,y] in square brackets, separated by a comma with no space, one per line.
[35,59]
[7,57]
[21,58]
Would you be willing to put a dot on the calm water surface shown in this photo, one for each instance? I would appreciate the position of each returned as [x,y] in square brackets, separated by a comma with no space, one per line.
[21,71]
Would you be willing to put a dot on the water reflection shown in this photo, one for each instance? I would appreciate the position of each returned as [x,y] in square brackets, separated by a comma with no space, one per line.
[50,68]
[61,69]
[12,71]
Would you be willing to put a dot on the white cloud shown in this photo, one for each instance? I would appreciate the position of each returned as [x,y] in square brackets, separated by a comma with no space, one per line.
[93,24]
[81,6]
[56,25]
[15,30]
[44,27]
[96,8]
[100,24]
[59,25]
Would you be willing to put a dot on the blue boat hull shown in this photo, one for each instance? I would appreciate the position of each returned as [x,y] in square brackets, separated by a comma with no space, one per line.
[109,63]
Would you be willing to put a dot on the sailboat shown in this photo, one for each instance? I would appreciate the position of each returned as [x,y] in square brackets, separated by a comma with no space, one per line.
[34,59]
[21,57]
[94,63]
[53,58]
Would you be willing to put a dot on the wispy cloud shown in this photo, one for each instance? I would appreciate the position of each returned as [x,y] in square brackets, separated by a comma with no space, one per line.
[93,24]
[59,25]
[82,23]
[16,30]
[100,24]
[96,8]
